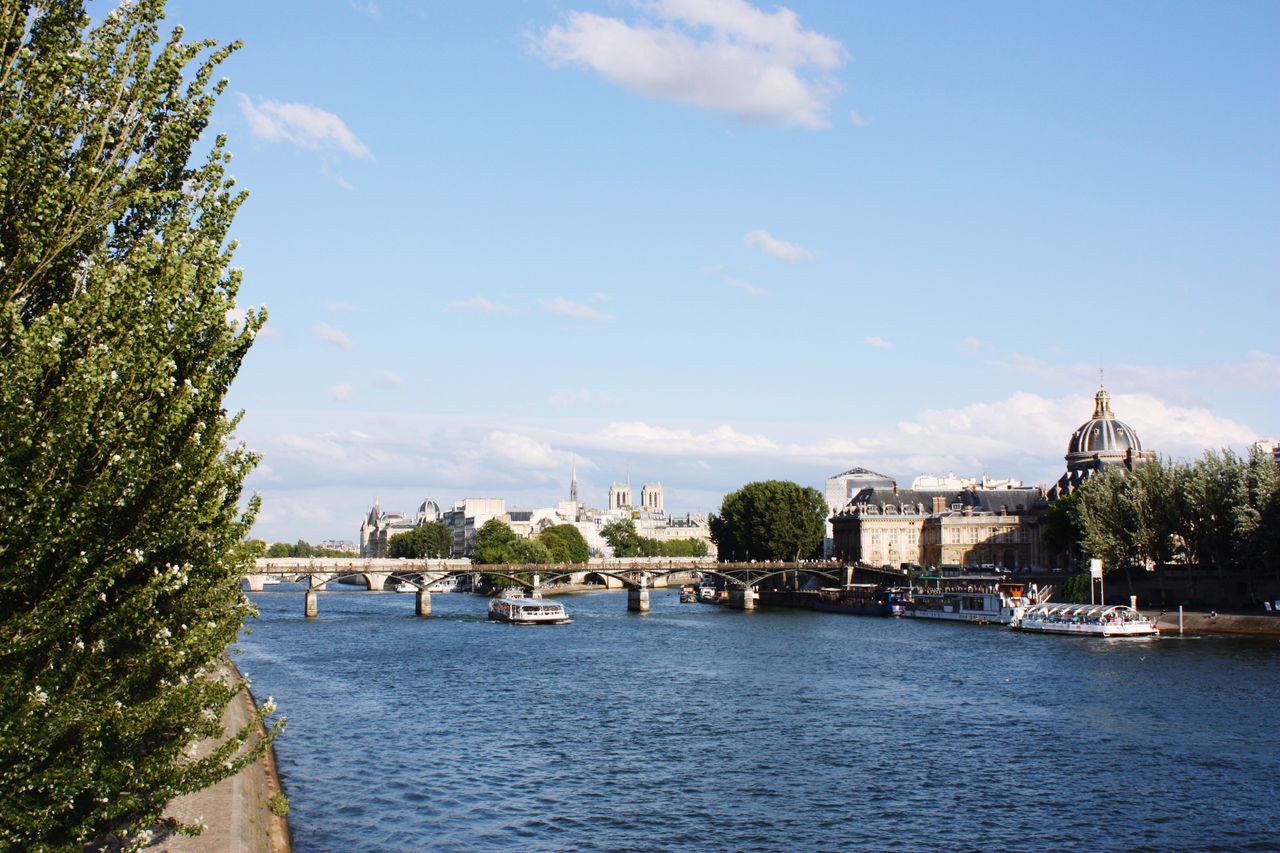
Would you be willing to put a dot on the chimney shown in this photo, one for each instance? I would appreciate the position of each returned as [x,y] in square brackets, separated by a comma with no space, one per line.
[939,504]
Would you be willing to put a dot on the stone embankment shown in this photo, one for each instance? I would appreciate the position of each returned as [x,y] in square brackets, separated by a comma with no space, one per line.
[1211,622]
[236,812]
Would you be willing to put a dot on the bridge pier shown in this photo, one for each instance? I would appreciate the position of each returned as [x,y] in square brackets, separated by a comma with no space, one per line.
[312,608]
[424,602]
[638,599]
[742,598]
[255,582]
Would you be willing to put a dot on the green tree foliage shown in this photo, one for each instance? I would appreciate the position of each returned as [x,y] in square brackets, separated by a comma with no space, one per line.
[622,538]
[524,552]
[626,542]
[494,541]
[123,546]
[565,544]
[426,541]
[1062,531]
[1075,590]
[1220,511]
[301,548]
[770,520]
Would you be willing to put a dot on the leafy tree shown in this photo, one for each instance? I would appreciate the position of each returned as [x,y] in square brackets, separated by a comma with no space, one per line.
[683,548]
[1062,528]
[493,542]
[565,544]
[622,538]
[1075,590]
[427,541]
[525,552]
[123,549]
[1219,510]
[770,520]
[301,548]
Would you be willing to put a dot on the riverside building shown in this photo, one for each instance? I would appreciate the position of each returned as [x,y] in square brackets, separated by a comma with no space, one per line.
[986,524]
[469,515]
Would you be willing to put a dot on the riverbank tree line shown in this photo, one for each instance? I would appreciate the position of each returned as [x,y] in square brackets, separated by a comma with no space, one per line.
[122,550]
[301,548]
[626,542]
[1220,512]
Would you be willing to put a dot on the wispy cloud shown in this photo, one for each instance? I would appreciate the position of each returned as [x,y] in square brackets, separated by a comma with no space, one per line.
[772,246]
[858,120]
[350,456]
[478,303]
[330,335]
[303,125]
[743,285]
[576,310]
[389,379]
[726,56]
[970,344]
[878,342]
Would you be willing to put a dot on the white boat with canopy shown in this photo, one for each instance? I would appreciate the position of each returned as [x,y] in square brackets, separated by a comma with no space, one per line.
[517,608]
[1092,620]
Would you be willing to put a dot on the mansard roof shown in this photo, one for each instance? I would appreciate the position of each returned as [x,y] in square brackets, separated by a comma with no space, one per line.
[976,500]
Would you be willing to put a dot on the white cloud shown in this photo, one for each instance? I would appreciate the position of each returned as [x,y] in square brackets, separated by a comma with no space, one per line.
[576,310]
[342,391]
[303,125]
[389,379]
[772,246]
[727,56]
[638,436]
[344,456]
[878,342]
[330,335]
[477,303]
[521,450]
[970,344]
[858,120]
[743,285]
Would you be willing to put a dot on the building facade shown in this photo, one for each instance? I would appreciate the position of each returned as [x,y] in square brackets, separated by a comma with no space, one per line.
[973,528]
[987,524]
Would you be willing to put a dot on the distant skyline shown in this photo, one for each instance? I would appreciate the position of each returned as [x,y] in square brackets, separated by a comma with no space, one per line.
[714,242]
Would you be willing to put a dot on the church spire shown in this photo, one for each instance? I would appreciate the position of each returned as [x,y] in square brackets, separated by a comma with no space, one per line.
[573,480]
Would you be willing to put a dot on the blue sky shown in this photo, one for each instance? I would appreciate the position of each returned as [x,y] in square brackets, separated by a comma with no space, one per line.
[705,242]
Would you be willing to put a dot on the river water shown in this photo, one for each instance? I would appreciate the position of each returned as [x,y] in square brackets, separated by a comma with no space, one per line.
[697,727]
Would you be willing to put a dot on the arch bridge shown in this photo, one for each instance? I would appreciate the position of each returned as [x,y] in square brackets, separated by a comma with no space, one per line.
[637,576]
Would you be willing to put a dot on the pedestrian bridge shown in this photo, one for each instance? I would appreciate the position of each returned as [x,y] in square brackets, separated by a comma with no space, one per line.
[637,575]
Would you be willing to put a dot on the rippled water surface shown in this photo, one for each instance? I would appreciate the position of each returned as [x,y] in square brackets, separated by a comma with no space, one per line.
[696,727]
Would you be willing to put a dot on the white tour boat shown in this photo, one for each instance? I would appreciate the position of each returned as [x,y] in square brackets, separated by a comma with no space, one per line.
[970,600]
[1090,620]
[519,609]
[404,586]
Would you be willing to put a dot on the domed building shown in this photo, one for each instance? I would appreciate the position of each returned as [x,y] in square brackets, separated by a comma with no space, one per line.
[378,527]
[1102,442]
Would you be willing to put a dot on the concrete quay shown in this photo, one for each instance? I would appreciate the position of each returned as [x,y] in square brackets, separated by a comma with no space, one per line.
[236,812]
[1211,622]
